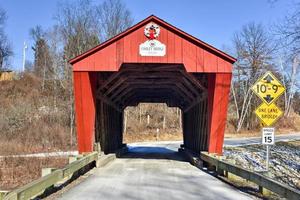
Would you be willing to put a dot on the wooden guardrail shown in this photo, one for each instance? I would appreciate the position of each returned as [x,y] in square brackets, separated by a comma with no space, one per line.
[37,187]
[259,179]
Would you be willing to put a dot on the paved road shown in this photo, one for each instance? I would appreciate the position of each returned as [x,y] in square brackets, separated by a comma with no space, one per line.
[152,172]
[227,142]
[257,140]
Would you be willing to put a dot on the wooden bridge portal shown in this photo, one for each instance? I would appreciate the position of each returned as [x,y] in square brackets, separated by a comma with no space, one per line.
[152,61]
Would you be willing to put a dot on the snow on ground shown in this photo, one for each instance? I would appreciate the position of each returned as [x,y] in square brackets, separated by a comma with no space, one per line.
[284,160]
[43,155]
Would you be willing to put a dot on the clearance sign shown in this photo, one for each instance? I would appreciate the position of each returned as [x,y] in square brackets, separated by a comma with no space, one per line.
[268,88]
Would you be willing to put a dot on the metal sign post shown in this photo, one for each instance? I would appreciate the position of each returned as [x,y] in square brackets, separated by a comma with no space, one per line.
[268,155]
[268,88]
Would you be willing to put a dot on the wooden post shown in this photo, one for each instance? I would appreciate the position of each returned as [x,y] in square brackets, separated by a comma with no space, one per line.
[140,108]
[180,119]
[218,96]
[85,98]
[148,119]
[46,171]
[265,192]
[125,122]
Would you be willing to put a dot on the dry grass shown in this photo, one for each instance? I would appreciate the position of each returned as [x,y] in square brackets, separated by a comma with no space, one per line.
[152,136]
[285,125]
[32,118]
[15,172]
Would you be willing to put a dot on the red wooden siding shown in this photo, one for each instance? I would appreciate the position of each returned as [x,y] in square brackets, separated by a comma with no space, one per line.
[218,96]
[204,119]
[84,90]
[195,57]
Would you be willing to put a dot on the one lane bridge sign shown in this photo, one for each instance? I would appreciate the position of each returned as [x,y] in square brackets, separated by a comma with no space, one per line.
[268,88]
[268,114]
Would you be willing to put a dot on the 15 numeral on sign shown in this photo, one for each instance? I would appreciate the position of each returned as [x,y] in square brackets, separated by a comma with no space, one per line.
[268,139]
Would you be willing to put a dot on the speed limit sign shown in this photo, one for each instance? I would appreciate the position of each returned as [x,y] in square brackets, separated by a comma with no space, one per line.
[268,136]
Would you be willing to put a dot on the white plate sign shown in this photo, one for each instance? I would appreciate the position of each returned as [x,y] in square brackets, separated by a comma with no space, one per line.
[152,48]
[268,136]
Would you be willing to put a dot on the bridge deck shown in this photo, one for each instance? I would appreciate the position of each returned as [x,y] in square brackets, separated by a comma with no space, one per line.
[149,172]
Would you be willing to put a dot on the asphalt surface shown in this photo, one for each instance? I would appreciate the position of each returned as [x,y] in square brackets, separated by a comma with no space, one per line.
[152,171]
[257,140]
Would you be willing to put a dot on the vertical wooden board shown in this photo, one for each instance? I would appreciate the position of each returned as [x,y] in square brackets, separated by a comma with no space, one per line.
[221,65]
[92,61]
[171,47]
[75,68]
[210,63]
[88,110]
[228,67]
[163,38]
[85,111]
[226,81]
[189,54]
[211,112]
[218,110]
[225,66]
[201,125]
[206,125]
[141,39]
[112,59]
[127,49]
[82,65]
[178,49]
[93,76]
[106,60]
[199,60]
[99,61]
[119,53]
[134,46]
[78,111]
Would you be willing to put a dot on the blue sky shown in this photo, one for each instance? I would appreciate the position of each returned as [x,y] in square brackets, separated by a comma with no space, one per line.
[213,21]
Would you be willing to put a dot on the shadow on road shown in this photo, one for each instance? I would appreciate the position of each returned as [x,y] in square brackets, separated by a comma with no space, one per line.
[152,152]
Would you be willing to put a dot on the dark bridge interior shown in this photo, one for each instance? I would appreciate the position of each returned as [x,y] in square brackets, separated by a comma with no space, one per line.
[152,83]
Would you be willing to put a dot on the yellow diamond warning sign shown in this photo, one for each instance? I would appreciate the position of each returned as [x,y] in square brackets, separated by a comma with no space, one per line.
[268,114]
[268,88]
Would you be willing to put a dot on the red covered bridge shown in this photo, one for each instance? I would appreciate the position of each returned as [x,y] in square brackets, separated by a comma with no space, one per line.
[152,61]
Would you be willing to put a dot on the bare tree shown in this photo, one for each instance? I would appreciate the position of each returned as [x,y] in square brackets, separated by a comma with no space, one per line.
[289,37]
[289,31]
[114,18]
[78,25]
[42,58]
[253,49]
[5,47]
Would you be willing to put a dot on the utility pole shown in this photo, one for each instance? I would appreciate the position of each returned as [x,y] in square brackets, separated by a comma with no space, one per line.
[24,56]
